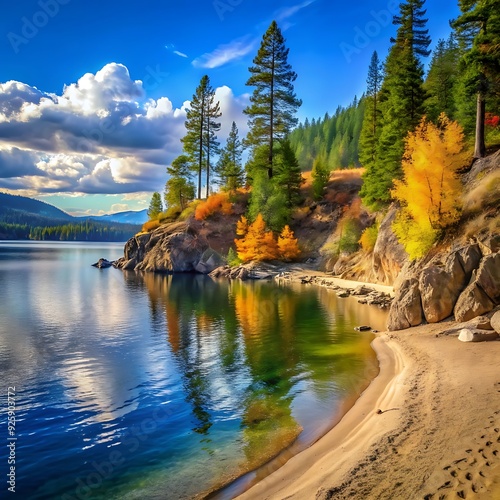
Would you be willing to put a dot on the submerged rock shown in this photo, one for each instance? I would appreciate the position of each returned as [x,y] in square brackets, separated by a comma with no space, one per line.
[103,263]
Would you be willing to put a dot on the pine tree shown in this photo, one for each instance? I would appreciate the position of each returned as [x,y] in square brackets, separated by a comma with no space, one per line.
[402,98]
[273,102]
[155,206]
[441,80]
[370,131]
[229,167]
[200,141]
[288,176]
[179,190]
[320,175]
[478,30]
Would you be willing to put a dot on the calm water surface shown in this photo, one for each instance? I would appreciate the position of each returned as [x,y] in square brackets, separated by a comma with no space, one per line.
[147,386]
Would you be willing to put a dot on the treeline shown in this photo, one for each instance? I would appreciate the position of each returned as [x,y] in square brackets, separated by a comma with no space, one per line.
[332,139]
[462,82]
[84,231]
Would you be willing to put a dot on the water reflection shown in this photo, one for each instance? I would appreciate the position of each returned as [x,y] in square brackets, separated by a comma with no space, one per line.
[229,373]
[264,360]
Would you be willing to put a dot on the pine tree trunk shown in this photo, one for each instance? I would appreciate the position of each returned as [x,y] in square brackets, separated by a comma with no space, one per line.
[480,147]
[271,125]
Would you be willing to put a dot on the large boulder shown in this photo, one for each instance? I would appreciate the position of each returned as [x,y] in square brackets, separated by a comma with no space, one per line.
[470,258]
[440,287]
[471,303]
[483,293]
[488,277]
[389,255]
[406,309]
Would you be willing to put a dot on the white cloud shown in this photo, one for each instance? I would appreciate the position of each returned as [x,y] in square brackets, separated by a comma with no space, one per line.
[226,53]
[102,135]
[119,207]
[286,12]
[180,54]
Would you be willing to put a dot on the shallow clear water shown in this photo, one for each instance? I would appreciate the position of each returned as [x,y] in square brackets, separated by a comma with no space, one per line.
[152,386]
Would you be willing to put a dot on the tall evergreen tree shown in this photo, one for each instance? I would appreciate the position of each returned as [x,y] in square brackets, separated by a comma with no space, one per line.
[478,29]
[200,141]
[155,206]
[402,98]
[370,131]
[273,102]
[441,80]
[288,176]
[179,190]
[229,167]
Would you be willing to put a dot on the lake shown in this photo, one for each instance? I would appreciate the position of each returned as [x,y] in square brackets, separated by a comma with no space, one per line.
[133,386]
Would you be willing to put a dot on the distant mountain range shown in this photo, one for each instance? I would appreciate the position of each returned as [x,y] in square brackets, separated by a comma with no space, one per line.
[22,204]
[20,216]
[129,217]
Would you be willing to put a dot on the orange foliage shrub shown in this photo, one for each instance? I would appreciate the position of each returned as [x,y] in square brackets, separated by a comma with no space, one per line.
[216,203]
[258,242]
[151,225]
[287,244]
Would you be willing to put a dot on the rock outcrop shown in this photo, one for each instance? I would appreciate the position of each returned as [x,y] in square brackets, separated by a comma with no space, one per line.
[389,255]
[172,248]
[464,283]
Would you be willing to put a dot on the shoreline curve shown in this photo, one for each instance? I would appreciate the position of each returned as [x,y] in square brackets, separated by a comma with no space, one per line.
[437,435]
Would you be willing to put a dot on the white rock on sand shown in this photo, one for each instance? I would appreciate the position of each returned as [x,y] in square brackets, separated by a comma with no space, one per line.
[441,438]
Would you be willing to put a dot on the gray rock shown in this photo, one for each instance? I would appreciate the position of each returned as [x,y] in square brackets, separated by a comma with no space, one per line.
[495,322]
[471,303]
[406,309]
[209,261]
[389,255]
[488,277]
[469,335]
[470,258]
[478,323]
[440,287]
[103,264]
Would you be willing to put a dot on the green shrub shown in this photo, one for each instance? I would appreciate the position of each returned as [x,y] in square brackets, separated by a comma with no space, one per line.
[232,258]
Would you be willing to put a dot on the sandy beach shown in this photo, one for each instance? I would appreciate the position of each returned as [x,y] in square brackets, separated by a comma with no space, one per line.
[427,427]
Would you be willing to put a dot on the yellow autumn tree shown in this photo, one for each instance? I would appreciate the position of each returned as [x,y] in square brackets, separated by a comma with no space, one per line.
[430,190]
[287,244]
[257,242]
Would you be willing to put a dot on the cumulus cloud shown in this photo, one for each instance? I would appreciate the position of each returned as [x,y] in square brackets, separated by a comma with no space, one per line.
[102,135]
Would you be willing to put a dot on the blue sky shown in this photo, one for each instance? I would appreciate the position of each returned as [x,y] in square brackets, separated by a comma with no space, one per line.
[93,94]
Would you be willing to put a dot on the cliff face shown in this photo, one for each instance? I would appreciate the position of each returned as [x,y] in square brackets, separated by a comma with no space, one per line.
[178,247]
